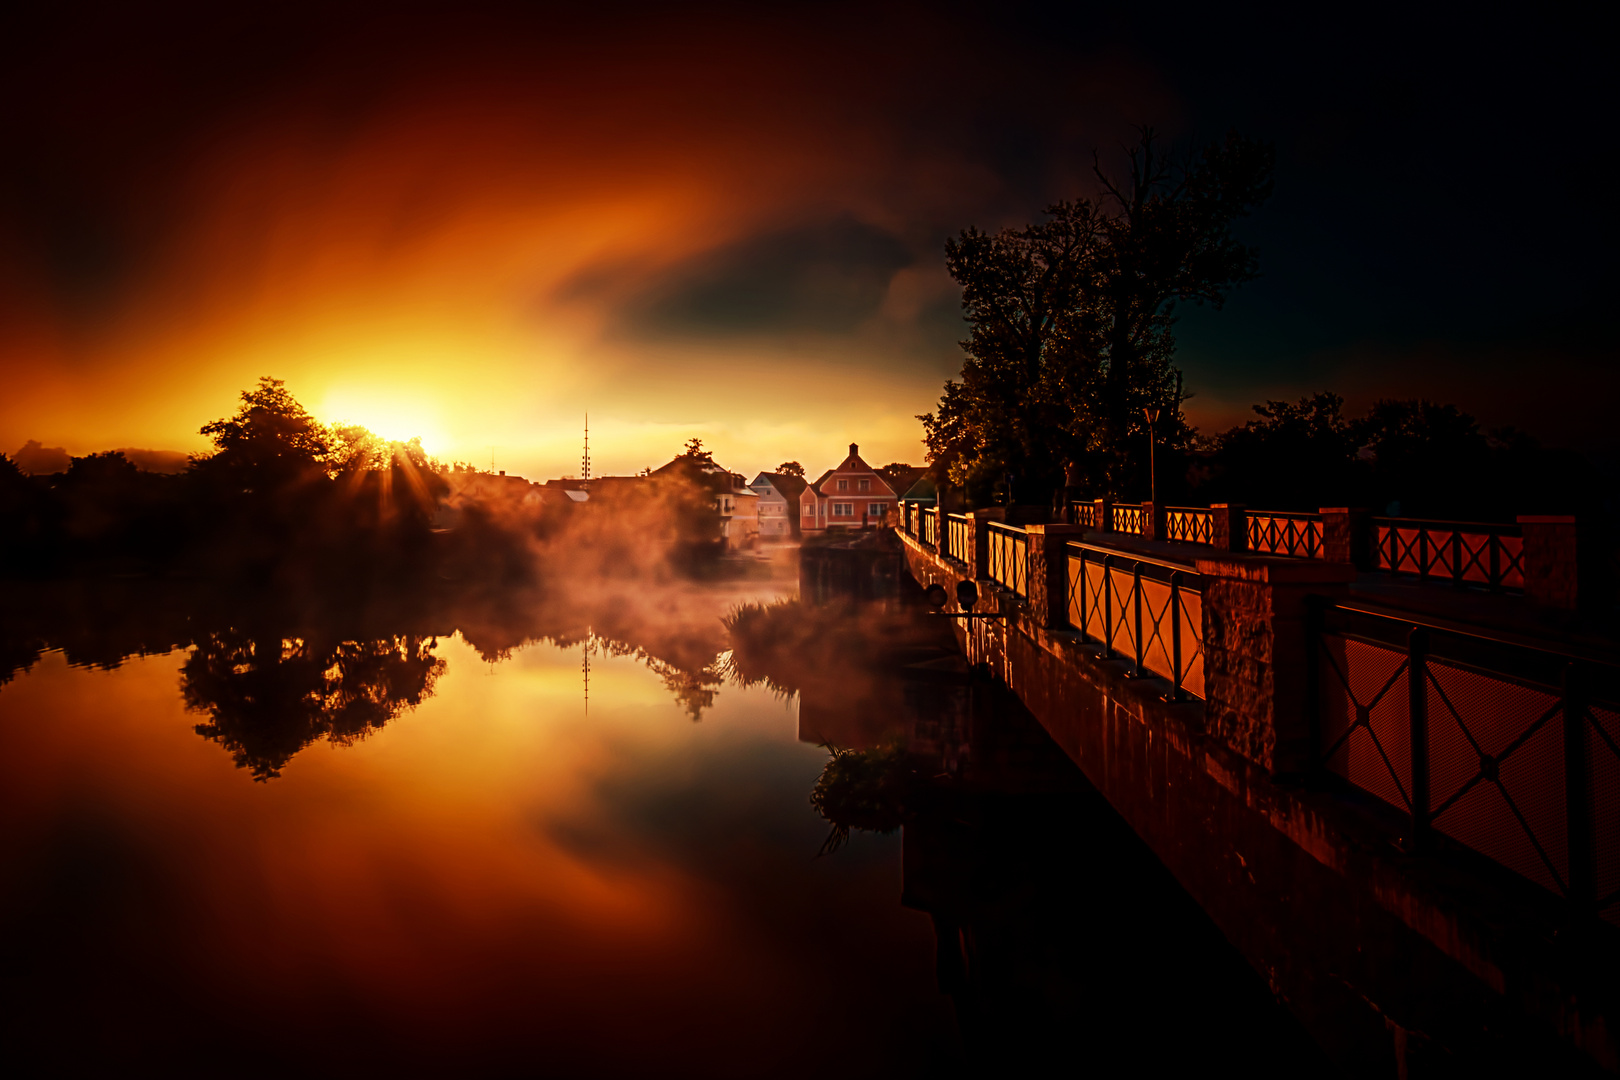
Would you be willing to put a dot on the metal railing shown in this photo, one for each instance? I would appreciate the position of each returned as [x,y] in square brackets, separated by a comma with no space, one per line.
[1083,514]
[1274,533]
[1507,747]
[1128,519]
[958,533]
[1007,560]
[1140,609]
[1189,524]
[1465,553]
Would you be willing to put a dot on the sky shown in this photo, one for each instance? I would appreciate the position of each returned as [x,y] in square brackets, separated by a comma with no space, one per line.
[475,223]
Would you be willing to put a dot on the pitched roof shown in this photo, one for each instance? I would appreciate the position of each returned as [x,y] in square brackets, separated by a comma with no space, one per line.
[816,487]
[791,487]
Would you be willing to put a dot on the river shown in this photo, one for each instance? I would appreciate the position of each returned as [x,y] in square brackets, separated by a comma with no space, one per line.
[244,838]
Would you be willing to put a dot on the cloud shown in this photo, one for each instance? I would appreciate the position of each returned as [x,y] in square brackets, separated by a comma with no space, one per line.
[825,278]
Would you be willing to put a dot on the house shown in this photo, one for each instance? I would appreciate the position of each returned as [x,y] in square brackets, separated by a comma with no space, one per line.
[852,496]
[778,504]
[739,516]
[737,503]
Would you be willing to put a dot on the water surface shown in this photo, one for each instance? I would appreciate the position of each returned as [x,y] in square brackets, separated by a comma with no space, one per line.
[257,840]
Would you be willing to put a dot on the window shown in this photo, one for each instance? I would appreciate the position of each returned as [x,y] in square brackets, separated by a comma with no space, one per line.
[875,509]
[843,509]
[843,485]
[865,485]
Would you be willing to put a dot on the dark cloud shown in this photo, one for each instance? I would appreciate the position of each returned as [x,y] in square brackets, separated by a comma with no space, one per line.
[826,278]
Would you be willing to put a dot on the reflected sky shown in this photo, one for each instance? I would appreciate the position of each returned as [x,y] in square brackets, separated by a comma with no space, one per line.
[495,879]
[251,834]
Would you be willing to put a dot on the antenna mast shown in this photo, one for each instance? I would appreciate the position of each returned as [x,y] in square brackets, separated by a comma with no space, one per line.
[585,462]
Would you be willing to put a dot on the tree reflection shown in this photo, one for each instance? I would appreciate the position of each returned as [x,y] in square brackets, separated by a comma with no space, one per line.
[268,696]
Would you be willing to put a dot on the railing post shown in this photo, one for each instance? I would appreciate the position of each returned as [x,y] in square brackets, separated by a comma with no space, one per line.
[1136,604]
[1578,795]
[1108,607]
[1152,521]
[1347,536]
[1551,563]
[1417,699]
[1104,515]
[1226,529]
[1423,553]
[1080,586]
[1256,657]
[1175,637]
[978,553]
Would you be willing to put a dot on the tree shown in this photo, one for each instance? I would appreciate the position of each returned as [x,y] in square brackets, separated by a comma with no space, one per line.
[272,440]
[1071,322]
[1427,459]
[1294,457]
[791,468]
[696,453]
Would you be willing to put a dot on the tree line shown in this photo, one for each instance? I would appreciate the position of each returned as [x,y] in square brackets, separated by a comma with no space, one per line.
[285,499]
[1068,376]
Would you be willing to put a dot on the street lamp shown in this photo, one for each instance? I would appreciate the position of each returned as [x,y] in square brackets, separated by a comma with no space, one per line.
[1153,471]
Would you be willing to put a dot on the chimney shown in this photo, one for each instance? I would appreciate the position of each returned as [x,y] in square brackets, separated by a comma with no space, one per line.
[854,449]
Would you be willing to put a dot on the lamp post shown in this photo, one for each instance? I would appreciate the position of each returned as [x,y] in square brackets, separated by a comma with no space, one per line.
[1152,416]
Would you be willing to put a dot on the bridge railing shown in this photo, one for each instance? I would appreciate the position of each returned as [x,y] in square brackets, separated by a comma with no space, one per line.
[1144,610]
[1465,553]
[1278,533]
[1507,747]
[1189,524]
[930,527]
[1083,514]
[1007,558]
[958,534]
[1127,519]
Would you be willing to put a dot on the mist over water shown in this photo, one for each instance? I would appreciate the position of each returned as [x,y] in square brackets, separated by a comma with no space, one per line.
[558,833]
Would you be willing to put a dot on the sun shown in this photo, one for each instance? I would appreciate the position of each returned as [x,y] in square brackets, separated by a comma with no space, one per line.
[395,417]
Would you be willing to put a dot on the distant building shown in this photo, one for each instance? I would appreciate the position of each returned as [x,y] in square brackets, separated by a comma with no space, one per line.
[739,517]
[852,496]
[778,504]
[737,503]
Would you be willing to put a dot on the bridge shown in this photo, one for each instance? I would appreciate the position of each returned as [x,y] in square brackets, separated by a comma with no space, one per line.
[1383,754]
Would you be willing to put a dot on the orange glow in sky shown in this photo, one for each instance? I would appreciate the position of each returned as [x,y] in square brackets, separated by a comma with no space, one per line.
[479,249]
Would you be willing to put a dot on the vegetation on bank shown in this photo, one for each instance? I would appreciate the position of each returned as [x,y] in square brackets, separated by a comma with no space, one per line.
[284,498]
[1069,378]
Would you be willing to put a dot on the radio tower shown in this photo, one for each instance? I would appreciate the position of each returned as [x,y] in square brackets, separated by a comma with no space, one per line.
[585,664]
[585,462]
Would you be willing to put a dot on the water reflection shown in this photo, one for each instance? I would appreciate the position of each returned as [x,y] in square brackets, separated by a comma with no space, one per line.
[268,697]
[275,673]
[498,883]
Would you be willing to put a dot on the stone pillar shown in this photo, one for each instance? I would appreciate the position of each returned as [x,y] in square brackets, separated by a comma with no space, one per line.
[978,553]
[1104,514]
[1551,562]
[1152,521]
[1347,536]
[1256,652]
[1228,531]
[1049,573]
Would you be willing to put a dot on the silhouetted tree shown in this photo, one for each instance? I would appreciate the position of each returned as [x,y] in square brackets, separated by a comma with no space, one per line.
[272,440]
[1427,459]
[1071,322]
[695,452]
[1296,456]
[791,468]
[268,696]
